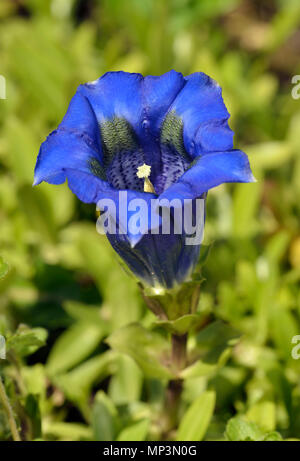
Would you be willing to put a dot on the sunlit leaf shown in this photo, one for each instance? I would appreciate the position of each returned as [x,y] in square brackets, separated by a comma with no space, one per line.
[104,418]
[137,432]
[195,421]
[74,345]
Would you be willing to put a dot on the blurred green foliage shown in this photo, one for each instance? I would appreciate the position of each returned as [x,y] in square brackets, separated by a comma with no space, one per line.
[62,292]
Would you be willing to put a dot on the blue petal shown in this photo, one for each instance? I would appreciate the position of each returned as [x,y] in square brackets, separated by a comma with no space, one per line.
[145,224]
[87,187]
[80,118]
[115,94]
[65,149]
[213,136]
[142,101]
[90,189]
[210,171]
[159,260]
[159,92]
[75,144]
[201,107]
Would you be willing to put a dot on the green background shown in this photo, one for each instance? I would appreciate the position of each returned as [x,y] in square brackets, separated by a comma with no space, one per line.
[62,291]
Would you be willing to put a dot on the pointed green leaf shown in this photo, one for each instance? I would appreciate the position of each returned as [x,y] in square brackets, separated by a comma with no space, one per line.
[104,418]
[195,421]
[136,432]
[67,431]
[201,368]
[76,384]
[126,384]
[33,413]
[73,346]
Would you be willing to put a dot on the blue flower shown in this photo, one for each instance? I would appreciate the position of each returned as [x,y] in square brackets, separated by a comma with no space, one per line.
[176,125]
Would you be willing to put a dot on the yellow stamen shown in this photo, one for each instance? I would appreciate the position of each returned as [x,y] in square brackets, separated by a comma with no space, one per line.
[144,172]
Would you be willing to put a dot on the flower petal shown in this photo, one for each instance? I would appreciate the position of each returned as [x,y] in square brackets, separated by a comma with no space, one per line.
[66,149]
[90,189]
[142,101]
[210,171]
[159,260]
[159,92]
[115,94]
[87,187]
[81,119]
[201,107]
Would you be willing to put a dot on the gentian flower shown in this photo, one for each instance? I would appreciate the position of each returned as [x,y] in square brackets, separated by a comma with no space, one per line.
[174,127]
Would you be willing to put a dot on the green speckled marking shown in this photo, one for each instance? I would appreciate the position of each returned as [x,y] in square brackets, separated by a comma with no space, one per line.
[117,135]
[172,133]
[193,163]
[97,169]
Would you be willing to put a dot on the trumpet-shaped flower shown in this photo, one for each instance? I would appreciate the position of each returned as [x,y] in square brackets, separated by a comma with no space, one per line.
[156,137]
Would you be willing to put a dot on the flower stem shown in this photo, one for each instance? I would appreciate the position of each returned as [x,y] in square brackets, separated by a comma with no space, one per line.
[174,388]
[179,351]
[9,412]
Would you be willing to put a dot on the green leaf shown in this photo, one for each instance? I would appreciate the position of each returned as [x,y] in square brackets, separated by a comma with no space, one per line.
[283,327]
[34,203]
[26,340]
[104,418]
[73,346]
[204,254]
[245,203]
[149,350]
[213,340]
[3,268]
[216,334]
[273,437]
[238,429]
[35,379]
[263,414]
[117,288]
[83,312]
[126,384]
[201,368]
[269,155]
[23,149]
[183,324]
[67,431]
[32,410]
[195,421]
[135,433]
[76,384]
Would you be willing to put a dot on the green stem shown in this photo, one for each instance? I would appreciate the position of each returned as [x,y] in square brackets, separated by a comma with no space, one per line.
[179,351]
[174,388]
[9,413]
